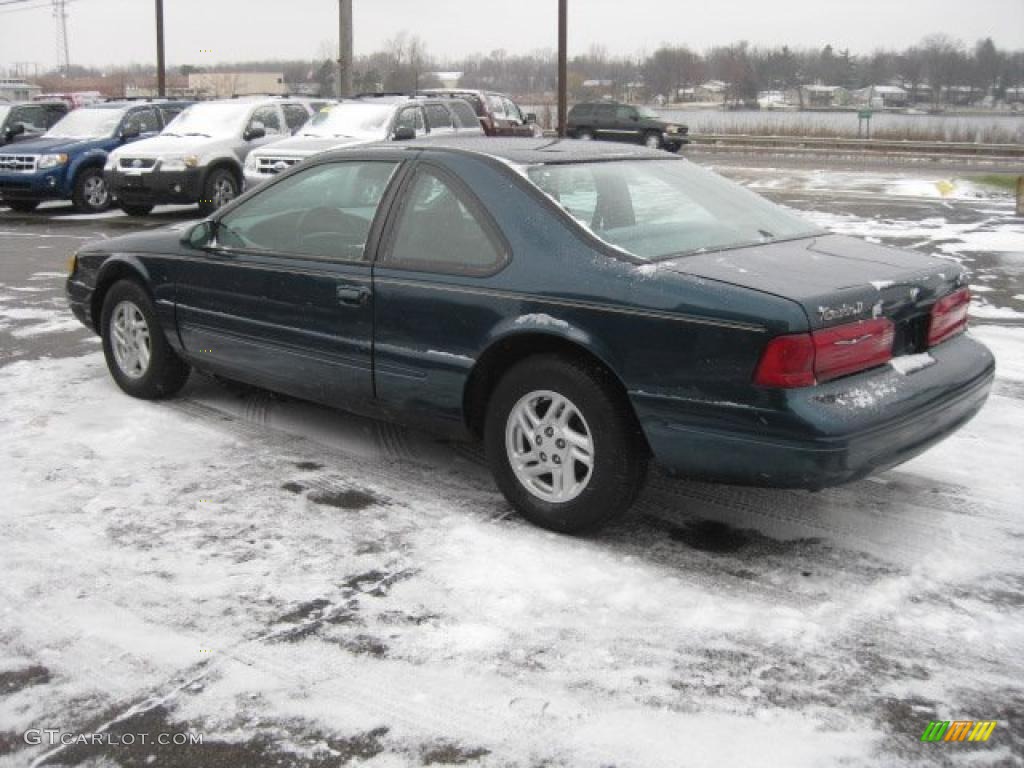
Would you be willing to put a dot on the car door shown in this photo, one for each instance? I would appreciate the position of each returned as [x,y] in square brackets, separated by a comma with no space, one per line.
[440,244]
[517,125]
[284,298]
[604,122]
[439,120]
[627,122]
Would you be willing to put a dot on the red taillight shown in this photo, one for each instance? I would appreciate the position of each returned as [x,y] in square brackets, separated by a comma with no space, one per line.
[802,359]
[949,316]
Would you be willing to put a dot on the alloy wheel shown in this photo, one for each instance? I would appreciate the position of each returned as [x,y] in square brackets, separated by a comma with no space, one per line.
[130,340]
[550,446]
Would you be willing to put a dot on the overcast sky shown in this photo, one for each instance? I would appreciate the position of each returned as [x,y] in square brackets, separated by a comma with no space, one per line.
[204,32]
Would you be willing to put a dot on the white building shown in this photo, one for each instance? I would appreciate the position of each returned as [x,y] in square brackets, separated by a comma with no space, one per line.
[16,89]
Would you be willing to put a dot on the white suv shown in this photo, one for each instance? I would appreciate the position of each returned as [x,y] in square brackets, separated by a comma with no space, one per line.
[363,120]
[199,157]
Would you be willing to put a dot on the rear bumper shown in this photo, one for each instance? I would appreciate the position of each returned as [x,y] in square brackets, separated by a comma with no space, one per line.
[156,187]
[829,434]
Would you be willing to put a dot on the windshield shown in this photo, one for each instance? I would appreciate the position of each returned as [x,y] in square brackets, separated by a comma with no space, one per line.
[87,124]
[660,208]
[210,119]
[351,120]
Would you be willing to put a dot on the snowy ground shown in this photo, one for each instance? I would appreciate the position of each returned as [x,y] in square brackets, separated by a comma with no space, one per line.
[309,589]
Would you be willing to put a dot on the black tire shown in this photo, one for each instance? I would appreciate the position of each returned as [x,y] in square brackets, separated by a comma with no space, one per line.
[213,198]
[585,134]
[619,453]
[166,373]
[22,206]
[653,140]
[91,193]
[136,210]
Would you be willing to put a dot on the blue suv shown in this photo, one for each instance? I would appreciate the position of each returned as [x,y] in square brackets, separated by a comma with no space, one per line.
[67,161]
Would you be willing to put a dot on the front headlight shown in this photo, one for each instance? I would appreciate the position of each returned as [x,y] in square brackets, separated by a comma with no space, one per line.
[251,163]
[672,129]
[111,163]
[179,162]
[51,161]
[72,263]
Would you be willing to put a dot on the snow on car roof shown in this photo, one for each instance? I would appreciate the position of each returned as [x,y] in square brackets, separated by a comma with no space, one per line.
[536,151]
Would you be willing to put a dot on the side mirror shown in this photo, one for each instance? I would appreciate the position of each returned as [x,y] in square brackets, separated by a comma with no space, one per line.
[255,131]
[404,133]
[531,118]
[201,235]
[130,132]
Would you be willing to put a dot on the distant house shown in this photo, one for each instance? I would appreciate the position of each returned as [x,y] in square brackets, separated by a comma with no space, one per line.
[224,85]
[712,90]
[921,93]
[824,96]
[962,95]
[598,83]
[882,96]
[15,89]
[772,99]
[1015,95]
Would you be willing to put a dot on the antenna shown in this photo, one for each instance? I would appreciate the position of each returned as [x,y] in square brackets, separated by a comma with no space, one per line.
[60,15]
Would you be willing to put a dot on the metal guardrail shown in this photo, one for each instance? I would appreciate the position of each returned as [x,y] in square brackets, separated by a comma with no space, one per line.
[892,146]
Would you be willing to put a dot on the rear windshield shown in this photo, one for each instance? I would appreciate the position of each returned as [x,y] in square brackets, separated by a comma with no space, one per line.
[657,209]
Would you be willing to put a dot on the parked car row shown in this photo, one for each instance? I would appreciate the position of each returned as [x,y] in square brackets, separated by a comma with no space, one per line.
[138,155]
[141,154]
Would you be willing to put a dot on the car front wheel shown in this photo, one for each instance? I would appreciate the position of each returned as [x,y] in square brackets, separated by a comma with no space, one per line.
[220,189]
[585,134]
[91,193]
[138,356]
[563,445]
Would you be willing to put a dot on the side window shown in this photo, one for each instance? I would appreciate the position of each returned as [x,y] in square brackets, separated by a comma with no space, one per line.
[412,117]
[325,212]
[295,115]
[438,117]
[169,112]
[143,119]
[497,106]
[513,112]
[604,112]
[625,114]
[440,230]
[270,118]
[464,115]
[32,117]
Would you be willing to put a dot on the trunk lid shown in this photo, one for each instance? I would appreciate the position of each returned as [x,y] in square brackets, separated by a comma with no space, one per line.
[838,280]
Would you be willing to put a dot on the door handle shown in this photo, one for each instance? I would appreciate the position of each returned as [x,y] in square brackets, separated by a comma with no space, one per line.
[352,295]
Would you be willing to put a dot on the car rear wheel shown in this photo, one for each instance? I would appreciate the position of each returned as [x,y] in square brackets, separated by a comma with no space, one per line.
[138,356]
[652,140]
[585,134]
[22,206]
[220,189]
[91,193]
[562,444]
[136,210]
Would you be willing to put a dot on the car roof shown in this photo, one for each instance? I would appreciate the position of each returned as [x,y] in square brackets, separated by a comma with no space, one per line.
[530,151]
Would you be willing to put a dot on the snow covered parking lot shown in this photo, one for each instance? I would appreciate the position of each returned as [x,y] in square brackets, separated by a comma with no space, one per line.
[307,589]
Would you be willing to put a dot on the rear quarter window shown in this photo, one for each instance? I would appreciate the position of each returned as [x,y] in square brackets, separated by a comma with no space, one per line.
[464,115]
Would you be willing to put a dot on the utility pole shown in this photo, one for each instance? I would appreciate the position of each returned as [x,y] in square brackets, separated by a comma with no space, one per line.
[60,14]
[344,48]
[563,65]
[161,69]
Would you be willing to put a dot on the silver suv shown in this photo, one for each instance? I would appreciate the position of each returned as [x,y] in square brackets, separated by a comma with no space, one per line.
[363,120]
[199,157]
